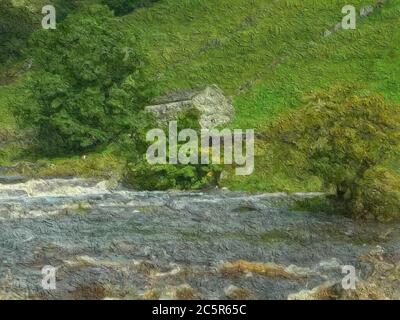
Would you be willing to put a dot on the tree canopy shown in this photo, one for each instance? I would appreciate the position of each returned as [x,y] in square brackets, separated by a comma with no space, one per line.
[89,86]
[16,25]
[341,136]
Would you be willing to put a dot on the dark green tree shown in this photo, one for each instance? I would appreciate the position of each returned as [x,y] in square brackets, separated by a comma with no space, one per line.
[16,25]
[88,86]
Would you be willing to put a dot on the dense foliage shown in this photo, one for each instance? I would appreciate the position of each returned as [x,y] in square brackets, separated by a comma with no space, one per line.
[16,25]
[142,175]
[377,194]
[342,136]
[89,86]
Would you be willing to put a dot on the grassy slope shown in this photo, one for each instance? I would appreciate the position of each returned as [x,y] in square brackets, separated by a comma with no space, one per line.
[266,54]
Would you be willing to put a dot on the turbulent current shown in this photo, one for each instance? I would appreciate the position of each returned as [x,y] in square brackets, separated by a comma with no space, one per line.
[115,243]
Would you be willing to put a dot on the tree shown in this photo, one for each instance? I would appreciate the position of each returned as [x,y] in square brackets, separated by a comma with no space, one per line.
[89,85]
[340,135]
[16,25]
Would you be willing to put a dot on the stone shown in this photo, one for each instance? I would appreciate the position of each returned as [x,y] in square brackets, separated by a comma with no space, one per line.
[12,179]
[214,107]
[366,11]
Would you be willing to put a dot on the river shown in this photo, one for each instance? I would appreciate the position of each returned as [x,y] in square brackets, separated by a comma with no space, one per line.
[113,243]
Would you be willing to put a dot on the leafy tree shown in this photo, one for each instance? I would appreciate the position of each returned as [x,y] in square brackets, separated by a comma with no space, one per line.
[340,135]
[16,25]
[89,86]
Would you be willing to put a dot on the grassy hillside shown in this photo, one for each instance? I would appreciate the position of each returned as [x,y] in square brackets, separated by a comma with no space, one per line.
[265,54]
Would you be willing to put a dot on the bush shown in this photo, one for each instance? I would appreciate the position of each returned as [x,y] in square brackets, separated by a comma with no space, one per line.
[340,136]
[144,176]
[89,88]
[377,195]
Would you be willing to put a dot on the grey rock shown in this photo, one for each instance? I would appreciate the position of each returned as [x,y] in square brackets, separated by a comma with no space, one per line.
[366,11]
[215,108]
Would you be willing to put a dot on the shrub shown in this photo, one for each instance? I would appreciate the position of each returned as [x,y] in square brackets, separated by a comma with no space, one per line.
[377,195]
[340,136]
[168,176]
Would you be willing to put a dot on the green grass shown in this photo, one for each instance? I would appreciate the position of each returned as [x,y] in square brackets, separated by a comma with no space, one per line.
[7,95]
[265,54]
[268,55]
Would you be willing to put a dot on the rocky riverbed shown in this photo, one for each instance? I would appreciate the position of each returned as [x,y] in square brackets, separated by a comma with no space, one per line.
[111,243]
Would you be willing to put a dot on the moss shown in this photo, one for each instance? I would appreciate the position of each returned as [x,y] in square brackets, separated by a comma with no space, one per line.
[377,195]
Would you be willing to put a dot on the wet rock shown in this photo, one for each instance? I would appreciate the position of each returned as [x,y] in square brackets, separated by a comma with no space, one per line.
[12,179]
[323,292]
[186,292]
[331,264]
[234,293]
[181,292]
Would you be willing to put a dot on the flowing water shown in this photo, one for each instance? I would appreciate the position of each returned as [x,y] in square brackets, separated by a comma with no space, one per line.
[116,243]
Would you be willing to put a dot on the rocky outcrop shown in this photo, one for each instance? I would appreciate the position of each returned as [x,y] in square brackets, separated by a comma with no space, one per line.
[215,108]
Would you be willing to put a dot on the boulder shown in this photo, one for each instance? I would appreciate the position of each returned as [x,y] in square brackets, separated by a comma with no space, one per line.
[215,108]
